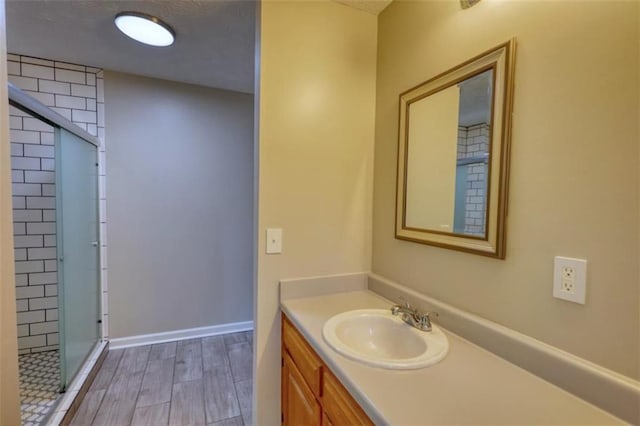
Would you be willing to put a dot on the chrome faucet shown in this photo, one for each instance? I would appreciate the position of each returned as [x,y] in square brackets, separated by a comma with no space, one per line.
[413,317]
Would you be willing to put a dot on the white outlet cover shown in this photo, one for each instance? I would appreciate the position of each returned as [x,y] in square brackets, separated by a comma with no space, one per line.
[579,293]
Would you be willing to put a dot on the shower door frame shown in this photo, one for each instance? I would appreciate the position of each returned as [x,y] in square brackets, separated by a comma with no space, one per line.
[32,106]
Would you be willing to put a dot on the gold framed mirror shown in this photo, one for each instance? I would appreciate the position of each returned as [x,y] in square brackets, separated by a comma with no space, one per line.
[453,156]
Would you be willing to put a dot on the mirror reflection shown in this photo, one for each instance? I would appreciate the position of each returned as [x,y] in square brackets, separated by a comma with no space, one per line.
[448,157]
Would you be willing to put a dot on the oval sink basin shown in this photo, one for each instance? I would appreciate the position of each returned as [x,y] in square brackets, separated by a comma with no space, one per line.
[377,338]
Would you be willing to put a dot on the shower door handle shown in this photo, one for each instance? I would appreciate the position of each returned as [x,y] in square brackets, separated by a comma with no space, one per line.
[95,244]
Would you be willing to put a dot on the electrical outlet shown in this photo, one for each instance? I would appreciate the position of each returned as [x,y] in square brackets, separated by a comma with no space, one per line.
[570,279]
[568,272]
[568,286]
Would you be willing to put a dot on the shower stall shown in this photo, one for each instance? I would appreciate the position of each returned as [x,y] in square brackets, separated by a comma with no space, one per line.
[56,229]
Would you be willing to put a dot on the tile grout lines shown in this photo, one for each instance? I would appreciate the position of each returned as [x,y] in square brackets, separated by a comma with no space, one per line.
[235,388]
[93,417]
[39,385]
[173,382]
[146,366]
[204,398]
[227,344]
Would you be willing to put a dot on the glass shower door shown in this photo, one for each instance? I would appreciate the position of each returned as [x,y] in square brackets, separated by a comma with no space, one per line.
[78,264]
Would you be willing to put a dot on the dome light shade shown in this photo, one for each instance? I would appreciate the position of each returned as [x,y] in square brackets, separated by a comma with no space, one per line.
[145,28]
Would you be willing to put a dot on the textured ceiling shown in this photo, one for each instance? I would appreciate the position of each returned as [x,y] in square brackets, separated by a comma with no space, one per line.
[475,99]
[371,6]
[214,38]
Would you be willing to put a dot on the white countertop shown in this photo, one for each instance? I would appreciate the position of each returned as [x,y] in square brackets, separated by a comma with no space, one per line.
[469,386]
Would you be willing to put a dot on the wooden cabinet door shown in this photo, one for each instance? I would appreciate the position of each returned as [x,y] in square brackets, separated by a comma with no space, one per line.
[305,358]
[326,421]
[299,406]
[339,406]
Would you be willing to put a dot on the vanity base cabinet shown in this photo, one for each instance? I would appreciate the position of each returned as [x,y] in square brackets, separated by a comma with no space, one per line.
[311,394]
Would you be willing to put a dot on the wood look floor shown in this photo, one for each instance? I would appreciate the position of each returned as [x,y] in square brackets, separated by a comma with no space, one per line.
[191,382]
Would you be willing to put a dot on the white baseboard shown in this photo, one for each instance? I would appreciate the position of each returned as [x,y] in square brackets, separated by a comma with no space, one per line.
[170,336]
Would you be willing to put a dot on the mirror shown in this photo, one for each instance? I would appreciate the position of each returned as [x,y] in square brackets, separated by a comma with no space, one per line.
[453,156]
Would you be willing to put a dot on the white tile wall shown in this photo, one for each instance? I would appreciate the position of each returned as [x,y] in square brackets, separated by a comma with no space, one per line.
[30,60]
[76,92]
[70,76]
[473,141]
[102,194]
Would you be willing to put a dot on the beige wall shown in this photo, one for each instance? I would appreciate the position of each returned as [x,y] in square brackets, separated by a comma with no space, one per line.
[574,167]
[9,395]
[317,100]
[180,205]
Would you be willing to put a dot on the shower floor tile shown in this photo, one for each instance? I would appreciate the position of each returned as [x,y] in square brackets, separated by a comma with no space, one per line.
[39,385]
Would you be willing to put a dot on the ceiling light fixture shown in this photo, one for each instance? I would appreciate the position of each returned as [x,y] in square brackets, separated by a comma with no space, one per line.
[466,4]
[145,28]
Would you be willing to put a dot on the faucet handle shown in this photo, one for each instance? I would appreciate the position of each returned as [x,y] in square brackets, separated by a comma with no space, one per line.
[405,303]
[427,315]
[424,321]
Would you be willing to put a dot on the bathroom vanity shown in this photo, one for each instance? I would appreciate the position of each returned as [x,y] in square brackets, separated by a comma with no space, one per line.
[310,392]
[469,386]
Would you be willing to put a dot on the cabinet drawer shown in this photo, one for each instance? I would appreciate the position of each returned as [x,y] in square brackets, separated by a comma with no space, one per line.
[339,406]
[303,356]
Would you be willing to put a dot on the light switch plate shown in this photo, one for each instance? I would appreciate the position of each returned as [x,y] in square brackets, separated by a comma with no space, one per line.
[274,240]
[570,279]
